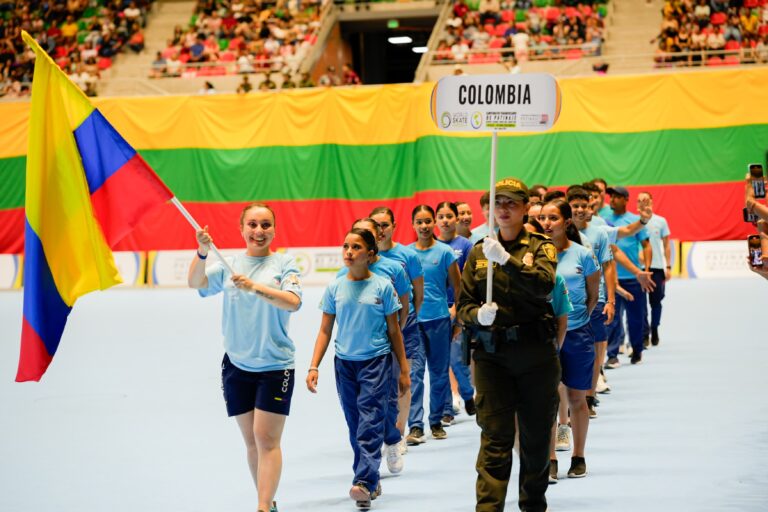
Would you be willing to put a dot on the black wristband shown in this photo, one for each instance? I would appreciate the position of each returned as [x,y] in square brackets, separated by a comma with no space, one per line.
[201,256]
[643,223]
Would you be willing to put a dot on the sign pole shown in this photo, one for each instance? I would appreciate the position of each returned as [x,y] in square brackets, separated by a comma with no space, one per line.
[491,207]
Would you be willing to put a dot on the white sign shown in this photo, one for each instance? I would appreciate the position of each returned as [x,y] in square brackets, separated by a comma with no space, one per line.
[503,103]
[727,259]
[131,267]
[10,271]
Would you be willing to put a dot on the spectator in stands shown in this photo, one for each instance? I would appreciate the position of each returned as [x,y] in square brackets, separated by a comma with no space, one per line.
[245,86]
[523,4]
[540,48]
[288,82]
[520,43]
[459,50]
[761,50]
[306,81]
[173,65]
[460,9]
[489,10]
[702,13]
[732,30]
[715,39]
[329,78]
[512,66]
[267,84]
[208,88]
[136,41]
[245,62]
[349,77]
[159,66]
[133,14]
[197,50]
[443,51]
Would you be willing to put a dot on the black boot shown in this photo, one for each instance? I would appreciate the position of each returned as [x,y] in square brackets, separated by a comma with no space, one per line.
[654,336]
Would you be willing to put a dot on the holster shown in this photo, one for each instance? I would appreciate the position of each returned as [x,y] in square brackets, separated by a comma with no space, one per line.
[474,336]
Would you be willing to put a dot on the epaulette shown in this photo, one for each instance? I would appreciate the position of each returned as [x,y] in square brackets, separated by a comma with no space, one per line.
[541,236]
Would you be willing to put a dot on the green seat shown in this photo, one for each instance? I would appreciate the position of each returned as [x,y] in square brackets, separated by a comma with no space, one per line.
[193,20]
[602,10]
[542,3]
[473,5]
[223,44]
[81,37]
[89,12]
[520,15]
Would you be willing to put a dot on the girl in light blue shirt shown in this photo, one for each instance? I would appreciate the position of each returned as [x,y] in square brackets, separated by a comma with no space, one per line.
[365,308]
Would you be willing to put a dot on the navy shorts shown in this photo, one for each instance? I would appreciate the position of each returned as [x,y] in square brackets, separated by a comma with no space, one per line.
[597,322]
[244,391]
[577,358]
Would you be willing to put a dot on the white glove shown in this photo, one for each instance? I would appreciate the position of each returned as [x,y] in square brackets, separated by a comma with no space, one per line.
[494,251]
[487,313]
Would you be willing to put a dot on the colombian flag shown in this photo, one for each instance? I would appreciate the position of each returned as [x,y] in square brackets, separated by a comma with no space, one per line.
[86,188]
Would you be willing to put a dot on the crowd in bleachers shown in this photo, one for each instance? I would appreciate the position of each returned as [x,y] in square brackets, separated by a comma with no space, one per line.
[712,32]
[241,36]
[82,36]
[486,31]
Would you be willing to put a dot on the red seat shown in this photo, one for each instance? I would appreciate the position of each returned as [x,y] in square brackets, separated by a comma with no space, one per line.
[573,53]
[763,30]
[104,63]
[572,11]
[501,29]
[750,4]
[496,43]
[714,61]
[553,13]
[520,25]
[547,39]
[227,57]
[732,60]
[490,28]
[476,58]
[507,16]
[493,58]
[732,45]
[718,18]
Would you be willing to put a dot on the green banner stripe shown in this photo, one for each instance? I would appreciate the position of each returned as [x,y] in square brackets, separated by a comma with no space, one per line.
[442,163]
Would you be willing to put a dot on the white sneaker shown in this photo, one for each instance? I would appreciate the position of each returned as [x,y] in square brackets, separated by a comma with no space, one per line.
[403,446]
[563,440]
[602,386]
[456,404]
[394,459]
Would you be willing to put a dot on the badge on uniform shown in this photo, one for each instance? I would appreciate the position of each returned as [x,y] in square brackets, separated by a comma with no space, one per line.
[550,251]
[528,259]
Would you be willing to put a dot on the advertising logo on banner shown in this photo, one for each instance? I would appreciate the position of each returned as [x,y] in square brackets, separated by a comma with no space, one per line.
[10,271]
[725,259]
[504,103]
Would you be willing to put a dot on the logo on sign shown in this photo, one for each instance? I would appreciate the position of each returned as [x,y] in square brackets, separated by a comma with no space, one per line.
[476,120]
[445,120]
[501,119]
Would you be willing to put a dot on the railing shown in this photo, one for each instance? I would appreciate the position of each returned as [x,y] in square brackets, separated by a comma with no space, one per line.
[494,55]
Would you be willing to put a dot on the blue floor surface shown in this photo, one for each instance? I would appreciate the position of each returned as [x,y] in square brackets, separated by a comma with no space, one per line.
[130,418]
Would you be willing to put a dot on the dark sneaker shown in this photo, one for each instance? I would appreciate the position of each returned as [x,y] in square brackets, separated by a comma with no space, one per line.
[362,496]
[438,432]
[654,336]
[553,471]
[375,494]
[612,363]
[637,357]
[591,406]
[578,468]
[469,406]
[415,436]
[447,420]
[273,508]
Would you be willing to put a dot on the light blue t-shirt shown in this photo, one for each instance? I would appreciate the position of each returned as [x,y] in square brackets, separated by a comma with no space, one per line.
[435,261]
[598,221]
[481,232]
[389,269]
[605,211]
[601,247]
[361,309]
[561,302]
[630,244]
[255,332]
[657,229]
[575,264]
[461,247]
[407,259]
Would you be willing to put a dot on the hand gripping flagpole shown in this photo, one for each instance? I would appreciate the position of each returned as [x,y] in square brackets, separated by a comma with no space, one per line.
[197,227]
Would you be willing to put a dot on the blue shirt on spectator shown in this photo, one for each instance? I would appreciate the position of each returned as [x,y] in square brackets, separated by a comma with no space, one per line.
[657,229]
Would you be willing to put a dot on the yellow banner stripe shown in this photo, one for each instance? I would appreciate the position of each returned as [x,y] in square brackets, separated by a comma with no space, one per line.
[394,114]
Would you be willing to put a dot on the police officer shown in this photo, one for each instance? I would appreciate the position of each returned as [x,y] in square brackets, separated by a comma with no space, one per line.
[516,365]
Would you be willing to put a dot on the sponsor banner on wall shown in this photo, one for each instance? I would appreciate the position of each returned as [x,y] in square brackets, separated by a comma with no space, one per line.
[318,265]
[132,266]
[169,268]
[10,271]
[723,259]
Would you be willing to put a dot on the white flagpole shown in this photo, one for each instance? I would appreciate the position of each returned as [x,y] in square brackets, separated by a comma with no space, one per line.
[195,225]
[491,206]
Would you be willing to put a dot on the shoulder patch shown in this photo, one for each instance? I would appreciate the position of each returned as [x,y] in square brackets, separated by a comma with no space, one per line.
[481,264]
[550,251]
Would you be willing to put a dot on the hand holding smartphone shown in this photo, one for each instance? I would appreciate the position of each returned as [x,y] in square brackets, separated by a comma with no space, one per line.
[755,251]
[757,179]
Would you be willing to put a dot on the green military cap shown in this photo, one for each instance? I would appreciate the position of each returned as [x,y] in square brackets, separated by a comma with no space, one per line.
[512,187]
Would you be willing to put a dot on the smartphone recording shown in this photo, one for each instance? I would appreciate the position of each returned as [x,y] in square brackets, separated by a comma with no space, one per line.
[755,251]
[758,183]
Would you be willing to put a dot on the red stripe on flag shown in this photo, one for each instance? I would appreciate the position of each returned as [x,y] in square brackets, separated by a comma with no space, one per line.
[126,196]
[34,358]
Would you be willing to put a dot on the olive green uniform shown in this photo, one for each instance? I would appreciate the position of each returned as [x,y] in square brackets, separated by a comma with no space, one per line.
[517,370]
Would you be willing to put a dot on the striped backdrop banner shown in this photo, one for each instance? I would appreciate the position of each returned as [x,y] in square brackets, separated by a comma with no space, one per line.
[324,157]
